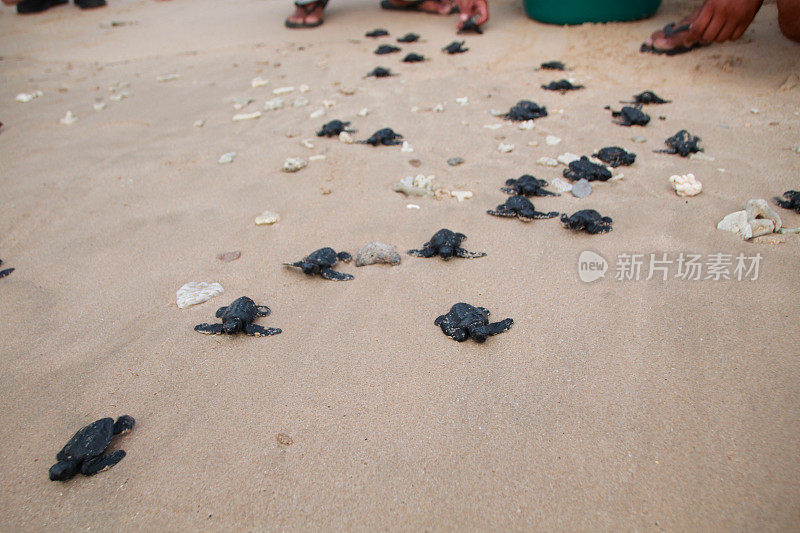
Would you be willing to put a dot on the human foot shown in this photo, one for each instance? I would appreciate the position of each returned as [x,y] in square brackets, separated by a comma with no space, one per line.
[307,15]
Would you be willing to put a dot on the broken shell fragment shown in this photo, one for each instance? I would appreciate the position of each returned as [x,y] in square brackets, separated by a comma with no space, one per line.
[301,102]
[246,116]
[267,218]
[455,161]
[272,105]
[195,292]
[318,113]
[527,125]
[686,185]
[363,113]
[240,102]
[199,123]
[377,252]
[168,77]
[226,158]
[99,106]
[307,143]
[567,158]
[258,82]
[293,164]
[552,140]
[406,147]
[346,138]
[282,90]
[227,257]
[547,162]
[420,185]
[69,119]
[27,97]
[505,148]
[461,195]
[561,185]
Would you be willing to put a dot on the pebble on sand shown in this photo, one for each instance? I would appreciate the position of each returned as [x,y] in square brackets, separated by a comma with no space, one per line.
[27,97]
[552,140]
[561,185]
[461,195]
[199,123]
[407,148]
[282,90]
[377,252]
[246,116]
[582,188]
[258,82]
[226,158]
[505,148]
[293,164]
[195,292]
[227,257]
[547,162]
[267,218]
[168,77]
[757,219]
[455,161]
[686,185]
[567,158]
[274,104]
[346,138]
[69,119]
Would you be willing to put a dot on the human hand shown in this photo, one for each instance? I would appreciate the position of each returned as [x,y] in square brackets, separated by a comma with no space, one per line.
[477,9]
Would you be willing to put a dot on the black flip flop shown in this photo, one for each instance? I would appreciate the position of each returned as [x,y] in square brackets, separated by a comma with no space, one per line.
[410,6]
[90,4]
[307,9]
[37,6]
[670,30]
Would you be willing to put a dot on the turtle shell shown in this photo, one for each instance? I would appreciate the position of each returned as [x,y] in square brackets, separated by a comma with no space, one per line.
[88,442]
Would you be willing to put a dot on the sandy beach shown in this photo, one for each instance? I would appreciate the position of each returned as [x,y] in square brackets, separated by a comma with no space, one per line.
[617,405]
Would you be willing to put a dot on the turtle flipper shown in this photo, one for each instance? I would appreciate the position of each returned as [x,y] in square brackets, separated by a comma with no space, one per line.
[329,273]
[461,252]
[209,329]
[501,213]
[344,257]
[440,320]
[509,190]
[499,327]
[95,465]
[457,334]
[425,252]
[263,310]
[221,311]
[296,264]
[6,272]
[258,331]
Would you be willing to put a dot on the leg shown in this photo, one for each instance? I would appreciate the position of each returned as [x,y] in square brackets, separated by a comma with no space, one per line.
[551,214]
[221,311]
[457,334]
[331,274]
[258,331]
[460,252]
[789,19]
[104,462]
[307,14]
[440,320]
[500,327]
[209,329]
[263,310]
[425,252]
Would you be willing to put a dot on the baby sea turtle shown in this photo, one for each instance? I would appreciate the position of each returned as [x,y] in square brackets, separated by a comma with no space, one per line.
[334,128]
[464,321]
[585,169]
[522,208]
[413,58]
[553,65]
[6,272]
[683,143]
[238,317]
[380,72]
[380,32]
[614,156]
[445,244]
[792,202]
[670,30]
[470,25]
[527,185]
[84,451]
[588,220]
[386,49]
[561,86]
[408,38]
[456,47]
[647,97]
[321,262]
[630,116]
[525,110]
[385,137]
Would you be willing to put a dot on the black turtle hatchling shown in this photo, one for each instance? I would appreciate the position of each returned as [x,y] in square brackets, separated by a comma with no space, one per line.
[464,321]
[445,244]
[587,220]
[84,452]
[630,116]
[614,156]
[585,169]
[238,317]
[683,143]
[321,262]
[522,208]
[385,137]
[527,185]
[525,110]
[334,128]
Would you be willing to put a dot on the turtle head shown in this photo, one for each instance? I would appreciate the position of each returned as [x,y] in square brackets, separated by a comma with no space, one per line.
[63,470]
[479,332]
[232,325]
[309,267]
[446,250]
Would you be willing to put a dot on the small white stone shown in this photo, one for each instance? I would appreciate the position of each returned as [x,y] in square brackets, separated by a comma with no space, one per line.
[304,88]
[463,100]
[318,157]
[412,206]
[258,82]
[195,292]
[547,162]
[119,96]
[438,108]
[301,102]
[406,147]
[461,195]
[318,113]
[267,218]
[307,143]
[240,102]
[414,109]
[99,106]
[199,123]
[69,119]
[639,139]
[526,125]
[737,223]
[505,148]
[363,113]
[327,104]
[27,97]
[272,105]
[293,164]
[536,143]
[754,111]
[561,185]
[700,156]
[686,185]
[497,113]
[346,138]
[552,140]
[226,158]
[492,126]
[567,158]
[282,90]
[168,77]
[246,116]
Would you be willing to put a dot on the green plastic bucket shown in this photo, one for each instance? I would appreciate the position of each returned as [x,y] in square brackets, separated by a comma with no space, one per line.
[580,11]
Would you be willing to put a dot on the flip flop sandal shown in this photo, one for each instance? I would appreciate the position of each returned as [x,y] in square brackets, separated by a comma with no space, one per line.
[37,6]
[90,4]
[410,6]
[307,9]
[670,30]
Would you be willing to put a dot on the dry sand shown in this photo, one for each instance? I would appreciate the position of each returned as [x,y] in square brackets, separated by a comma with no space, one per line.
[608,406]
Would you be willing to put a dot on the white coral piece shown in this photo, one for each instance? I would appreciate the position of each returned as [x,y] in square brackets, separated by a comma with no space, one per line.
[686,185]
[195,292]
